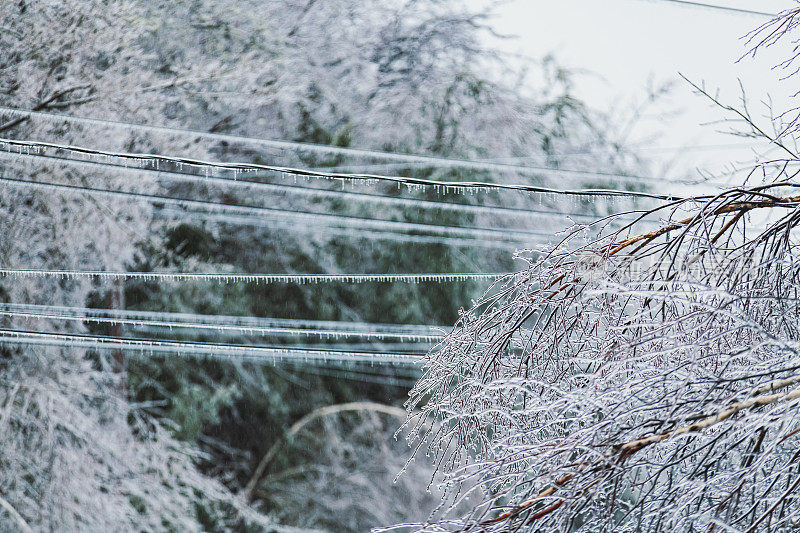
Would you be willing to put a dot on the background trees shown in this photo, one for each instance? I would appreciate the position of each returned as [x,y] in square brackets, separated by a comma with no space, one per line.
[94,441]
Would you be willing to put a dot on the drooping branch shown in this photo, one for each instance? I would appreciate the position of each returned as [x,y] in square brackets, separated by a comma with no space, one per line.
[322,412]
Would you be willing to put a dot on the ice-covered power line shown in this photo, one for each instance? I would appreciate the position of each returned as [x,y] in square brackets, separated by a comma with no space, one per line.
[244,330]
[431,161]
[255,278]
[281,217]
[307,191]
[405,238]
[255,216]
[202,350]
[438,185]
[365,377]
[231,320]
[718,7]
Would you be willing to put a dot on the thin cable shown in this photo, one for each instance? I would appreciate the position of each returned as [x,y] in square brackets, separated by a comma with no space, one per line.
[307,191]
[194,350]
[246,330]
[408,371]
[232,320]
[300,279]
[377,379]
[263,217]
[273,218]
[722,8]
[439,186]
[318,148]
[412,347]
[404,238]
[281,217]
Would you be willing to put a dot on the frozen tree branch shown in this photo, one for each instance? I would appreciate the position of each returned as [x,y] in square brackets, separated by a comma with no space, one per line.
[608,391]
[303,422]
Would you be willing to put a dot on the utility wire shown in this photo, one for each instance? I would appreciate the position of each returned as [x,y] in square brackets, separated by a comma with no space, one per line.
[378,379]
[310,228]
[440,186]
[722,8]
[255,278]
[259,220]
[335,150]
[282,217]
[202,350]
[306,191]
[230,320]
[266,217]
[245,330]
[348,195]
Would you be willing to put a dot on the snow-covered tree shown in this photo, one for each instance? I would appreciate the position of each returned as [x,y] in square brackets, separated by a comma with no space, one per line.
[643,380]
[395,76]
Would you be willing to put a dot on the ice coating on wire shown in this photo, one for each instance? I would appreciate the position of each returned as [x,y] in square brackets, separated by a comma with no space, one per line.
[304,191]
[248,330]
[223,352]
[340,224]
[431,161]
[412,183]
[243,321]
[255,278]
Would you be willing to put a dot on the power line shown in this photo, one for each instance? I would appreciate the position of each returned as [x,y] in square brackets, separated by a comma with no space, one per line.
[404,238]
[335,150]
[722,8]
[235,320]
[300,279]
[451,241]
[245,330]
[335,194]
[365,377]
[440,186]
[281,217]
[254,216]
[266,217]
[507,164]
[306,191]
[222,352]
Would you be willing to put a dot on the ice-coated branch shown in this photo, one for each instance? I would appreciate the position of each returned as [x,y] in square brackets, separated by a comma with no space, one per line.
[600,390]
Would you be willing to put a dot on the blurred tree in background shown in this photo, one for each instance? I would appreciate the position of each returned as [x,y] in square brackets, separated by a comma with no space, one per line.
[186,435]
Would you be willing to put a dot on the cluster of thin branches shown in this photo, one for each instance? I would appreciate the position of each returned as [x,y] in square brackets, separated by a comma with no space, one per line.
[640,381]
[632,383]
[72,443]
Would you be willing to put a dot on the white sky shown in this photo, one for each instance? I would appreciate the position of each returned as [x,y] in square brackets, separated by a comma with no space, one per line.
[625,43]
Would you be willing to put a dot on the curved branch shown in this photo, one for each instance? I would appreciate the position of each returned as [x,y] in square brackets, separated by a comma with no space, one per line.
[310,417]
[23,525]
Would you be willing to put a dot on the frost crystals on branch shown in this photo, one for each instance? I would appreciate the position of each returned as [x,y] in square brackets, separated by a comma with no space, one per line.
[634,384]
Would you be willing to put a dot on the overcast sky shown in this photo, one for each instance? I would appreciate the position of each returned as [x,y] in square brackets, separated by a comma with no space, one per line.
[625,43]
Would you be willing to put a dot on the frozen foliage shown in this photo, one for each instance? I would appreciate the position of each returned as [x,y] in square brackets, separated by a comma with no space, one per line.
[386,75]
[69,445]
[632,383]
[641,381]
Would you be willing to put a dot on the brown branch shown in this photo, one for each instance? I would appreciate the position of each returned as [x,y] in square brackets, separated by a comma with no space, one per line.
[629,448]
[739,207]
